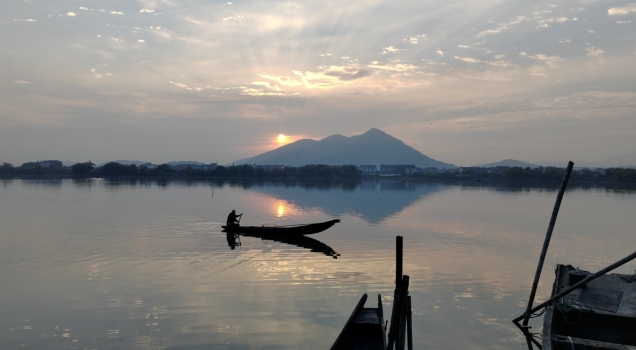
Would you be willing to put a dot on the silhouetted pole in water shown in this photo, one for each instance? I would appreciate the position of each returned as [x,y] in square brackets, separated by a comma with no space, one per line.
[409,323]
[395,313]
[401,313]
[546,243]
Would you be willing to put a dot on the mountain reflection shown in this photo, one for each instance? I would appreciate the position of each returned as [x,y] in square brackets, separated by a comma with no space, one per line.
[373,200]
[234,240]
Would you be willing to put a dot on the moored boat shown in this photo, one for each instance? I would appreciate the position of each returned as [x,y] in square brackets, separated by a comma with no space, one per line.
[364,329]
[305,229]
[599,315]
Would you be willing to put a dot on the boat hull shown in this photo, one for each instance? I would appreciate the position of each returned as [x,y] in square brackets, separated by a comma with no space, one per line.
[298,230]
[601,315]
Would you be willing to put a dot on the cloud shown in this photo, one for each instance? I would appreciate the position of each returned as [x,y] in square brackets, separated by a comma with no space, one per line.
[21,81]
[551,61]
[95,74]
[349,74]
[623,22]
[502,27]
[181,85]
[146,11]
[414,39]
[83,8]
[592,51]
[283,80]
[233,18]
[396,67]
[141,41]
[71,14]
[116,12]
[390,49]
[491,63]
[615,11]
[546,22]
[24,20]
[439,52]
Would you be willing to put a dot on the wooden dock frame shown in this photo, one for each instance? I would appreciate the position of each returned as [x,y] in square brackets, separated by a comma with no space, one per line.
[365,328]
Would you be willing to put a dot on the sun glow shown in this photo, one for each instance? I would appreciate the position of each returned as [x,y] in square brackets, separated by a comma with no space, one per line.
[282,139]
[281,209]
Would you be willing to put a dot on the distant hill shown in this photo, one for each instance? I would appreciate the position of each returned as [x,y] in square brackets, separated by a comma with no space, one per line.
[509,162]
[372,147]
[184,162]
[627,160]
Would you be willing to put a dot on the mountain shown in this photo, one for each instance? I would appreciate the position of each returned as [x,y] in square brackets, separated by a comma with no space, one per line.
[372,147]
[509,162]
[627,160]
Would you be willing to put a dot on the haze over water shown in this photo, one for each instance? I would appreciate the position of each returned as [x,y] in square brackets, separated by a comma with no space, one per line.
[133,264]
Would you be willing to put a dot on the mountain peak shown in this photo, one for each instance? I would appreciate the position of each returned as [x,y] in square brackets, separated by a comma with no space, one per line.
[374,131]
[373,147]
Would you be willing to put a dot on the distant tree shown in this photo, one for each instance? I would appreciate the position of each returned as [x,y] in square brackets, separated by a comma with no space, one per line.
[6,168]
[81,168]
[164,169]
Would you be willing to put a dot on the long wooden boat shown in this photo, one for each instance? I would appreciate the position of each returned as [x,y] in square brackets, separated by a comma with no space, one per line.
[281,230]
[601,315]
[365,329]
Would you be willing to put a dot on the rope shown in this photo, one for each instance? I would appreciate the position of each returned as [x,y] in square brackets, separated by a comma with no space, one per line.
[571,343]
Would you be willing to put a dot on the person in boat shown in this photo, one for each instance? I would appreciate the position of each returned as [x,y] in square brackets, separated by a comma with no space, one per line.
[232,219]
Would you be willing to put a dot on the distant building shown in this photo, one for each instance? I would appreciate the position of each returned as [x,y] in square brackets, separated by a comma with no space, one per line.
[368,169]
[397,169]
[498,170]
[430,171]
[193,166]
[543,169]
[473,170]
[269,167]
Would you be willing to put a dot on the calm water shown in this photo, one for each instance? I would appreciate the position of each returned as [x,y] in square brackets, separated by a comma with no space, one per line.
[99,264]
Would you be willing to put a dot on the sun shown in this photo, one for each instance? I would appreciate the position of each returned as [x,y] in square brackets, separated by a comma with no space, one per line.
[281,139]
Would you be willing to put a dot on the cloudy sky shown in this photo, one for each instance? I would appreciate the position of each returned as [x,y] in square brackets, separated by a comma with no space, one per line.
[465,82]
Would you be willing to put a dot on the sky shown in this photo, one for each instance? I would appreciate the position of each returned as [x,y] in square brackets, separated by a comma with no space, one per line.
[464,82]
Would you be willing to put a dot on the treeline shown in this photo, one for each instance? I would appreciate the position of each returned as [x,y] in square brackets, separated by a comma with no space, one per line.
[114,169]
[307,171]
[611,174]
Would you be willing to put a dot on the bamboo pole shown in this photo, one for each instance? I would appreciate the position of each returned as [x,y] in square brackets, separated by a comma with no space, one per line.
[409,322]
[398,261]
[581,283]
[402,337]
[403,313]
[397,294]
[546,243]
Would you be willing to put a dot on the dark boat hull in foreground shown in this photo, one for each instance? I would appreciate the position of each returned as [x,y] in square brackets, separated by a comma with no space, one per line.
[601,315]
[281,230]
[364,330]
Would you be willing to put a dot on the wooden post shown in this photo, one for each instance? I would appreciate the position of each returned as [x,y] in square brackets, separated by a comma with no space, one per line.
[403,313]
[546,242]
[409,322]
[397,294]
[402,337]
[398,261]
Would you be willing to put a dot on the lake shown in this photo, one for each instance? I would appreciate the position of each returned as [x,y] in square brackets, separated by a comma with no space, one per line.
[144,264]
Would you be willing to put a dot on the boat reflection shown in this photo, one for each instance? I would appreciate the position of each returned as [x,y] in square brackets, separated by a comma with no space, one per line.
[234,240]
